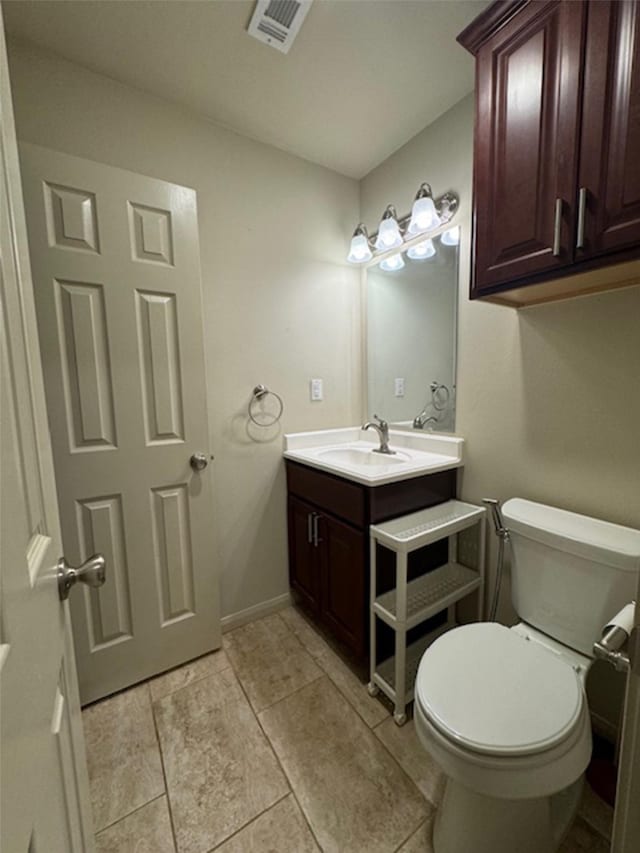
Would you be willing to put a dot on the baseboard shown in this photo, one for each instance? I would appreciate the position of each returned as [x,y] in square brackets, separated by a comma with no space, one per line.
[242,617]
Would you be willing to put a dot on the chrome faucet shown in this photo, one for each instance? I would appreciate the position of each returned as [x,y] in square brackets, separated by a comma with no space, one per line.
[420,421]
[382,428]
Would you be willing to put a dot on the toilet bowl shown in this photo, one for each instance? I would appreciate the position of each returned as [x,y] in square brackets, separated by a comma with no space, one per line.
[504,713]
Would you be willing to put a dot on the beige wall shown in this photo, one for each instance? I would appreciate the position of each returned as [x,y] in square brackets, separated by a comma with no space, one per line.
[548,397]
[280,305]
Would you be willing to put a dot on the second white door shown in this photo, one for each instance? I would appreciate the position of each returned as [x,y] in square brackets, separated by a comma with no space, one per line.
[116,274]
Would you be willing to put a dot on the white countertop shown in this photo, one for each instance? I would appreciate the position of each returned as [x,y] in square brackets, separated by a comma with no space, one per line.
[350,453]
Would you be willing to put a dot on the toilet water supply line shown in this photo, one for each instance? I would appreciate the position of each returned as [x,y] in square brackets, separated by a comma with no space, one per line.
[503,536]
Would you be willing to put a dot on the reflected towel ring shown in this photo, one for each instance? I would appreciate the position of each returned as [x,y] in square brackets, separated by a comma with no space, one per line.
[438,403]
[260,392]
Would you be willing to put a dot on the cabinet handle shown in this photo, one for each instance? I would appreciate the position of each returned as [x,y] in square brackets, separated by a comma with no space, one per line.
[310,517]
[582,209]
[557,227]
[316,538]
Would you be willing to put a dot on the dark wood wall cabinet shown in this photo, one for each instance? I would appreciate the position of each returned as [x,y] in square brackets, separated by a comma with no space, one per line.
[328,520]
[557,148]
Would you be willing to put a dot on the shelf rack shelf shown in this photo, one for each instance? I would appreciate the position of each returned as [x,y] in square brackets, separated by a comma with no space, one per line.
[413,602]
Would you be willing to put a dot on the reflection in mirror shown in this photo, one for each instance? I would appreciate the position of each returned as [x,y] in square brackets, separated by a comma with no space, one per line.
[411,341]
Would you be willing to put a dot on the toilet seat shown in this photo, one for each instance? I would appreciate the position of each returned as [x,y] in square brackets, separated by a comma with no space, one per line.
[489,690]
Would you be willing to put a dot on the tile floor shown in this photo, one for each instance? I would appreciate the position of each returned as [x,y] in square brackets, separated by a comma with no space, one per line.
[271,745]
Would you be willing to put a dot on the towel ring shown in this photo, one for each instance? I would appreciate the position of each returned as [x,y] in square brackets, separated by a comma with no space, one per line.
[438,403]
[259,393]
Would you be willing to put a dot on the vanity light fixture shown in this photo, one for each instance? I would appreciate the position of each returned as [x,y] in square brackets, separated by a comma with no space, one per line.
[360,250]
[389,236]
[451,237]
[426,215]
[393,263]
[421,251]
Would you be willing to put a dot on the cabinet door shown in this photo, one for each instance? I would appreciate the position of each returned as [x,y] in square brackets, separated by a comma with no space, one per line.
[344,590]
[527,111]
[303,559]
[610,147]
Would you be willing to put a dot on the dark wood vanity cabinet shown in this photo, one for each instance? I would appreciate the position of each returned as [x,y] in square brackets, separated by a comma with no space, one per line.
[557,136]
[328,525]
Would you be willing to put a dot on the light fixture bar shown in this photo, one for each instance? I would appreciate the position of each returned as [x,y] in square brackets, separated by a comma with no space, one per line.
[412,241]
[429,217]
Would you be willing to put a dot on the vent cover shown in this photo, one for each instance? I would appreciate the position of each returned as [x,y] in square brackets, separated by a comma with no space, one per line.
[276,22]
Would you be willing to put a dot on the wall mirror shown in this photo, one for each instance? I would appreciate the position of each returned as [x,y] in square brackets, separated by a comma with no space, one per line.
[411,339]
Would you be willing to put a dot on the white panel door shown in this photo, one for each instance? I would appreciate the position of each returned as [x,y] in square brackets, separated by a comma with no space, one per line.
[43,777]
[116,274]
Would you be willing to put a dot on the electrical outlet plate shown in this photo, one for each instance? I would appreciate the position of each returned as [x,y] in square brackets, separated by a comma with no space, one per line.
[399,387]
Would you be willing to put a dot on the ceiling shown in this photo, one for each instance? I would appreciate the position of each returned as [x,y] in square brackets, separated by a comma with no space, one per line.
[361,79]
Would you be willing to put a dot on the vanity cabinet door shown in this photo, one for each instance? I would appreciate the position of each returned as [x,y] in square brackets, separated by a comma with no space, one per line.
[528,94]
[609,177]
[343,569]
[303,555]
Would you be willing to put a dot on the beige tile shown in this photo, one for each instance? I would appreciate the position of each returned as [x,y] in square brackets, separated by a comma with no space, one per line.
[353,793]
[269,661]
[122,755]
[403,743]
[311,639]
[221,772]
[421,840]
[282,829]
[173,680]
[583,839]
[146,831]
[355,692]
[596,812]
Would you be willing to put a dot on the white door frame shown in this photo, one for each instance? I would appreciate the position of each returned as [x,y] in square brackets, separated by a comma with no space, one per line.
[626,826]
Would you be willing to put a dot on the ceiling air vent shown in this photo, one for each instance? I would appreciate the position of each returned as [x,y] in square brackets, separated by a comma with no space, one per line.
[276,22]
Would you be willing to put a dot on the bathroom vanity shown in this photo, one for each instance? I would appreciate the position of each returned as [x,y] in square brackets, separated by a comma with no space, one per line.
[337,487]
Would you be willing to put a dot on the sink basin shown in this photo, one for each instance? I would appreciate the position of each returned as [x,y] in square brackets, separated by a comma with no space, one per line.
[350,452]
[361,456]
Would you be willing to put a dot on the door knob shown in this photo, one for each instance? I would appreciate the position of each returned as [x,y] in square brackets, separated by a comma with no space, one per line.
[199,461]
[92,572]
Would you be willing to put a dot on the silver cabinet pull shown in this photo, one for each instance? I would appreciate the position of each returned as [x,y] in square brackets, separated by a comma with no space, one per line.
[310,516]
[316,538]
[92,572]
[557,228]
[199,461]
[582,209]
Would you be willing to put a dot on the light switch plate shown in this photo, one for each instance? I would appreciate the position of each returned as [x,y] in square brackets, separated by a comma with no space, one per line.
[316,389]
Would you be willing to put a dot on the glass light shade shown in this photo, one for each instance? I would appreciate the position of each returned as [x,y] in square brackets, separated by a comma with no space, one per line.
[359,252]
[424,216]
[422,251]
[451,237]
[389,235]
[393,263]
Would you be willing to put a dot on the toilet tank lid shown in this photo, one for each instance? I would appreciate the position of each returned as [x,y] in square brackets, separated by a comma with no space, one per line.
[590,538]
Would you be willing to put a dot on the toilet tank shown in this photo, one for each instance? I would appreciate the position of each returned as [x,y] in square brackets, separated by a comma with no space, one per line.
[570,574]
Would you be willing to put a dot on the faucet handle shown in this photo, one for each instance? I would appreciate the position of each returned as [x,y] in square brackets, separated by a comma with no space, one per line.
[381,421]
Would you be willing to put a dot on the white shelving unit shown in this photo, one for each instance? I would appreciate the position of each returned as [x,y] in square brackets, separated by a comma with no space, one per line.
[413,602]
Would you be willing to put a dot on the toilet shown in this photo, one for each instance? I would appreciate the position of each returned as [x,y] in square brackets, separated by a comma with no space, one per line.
[504,711]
